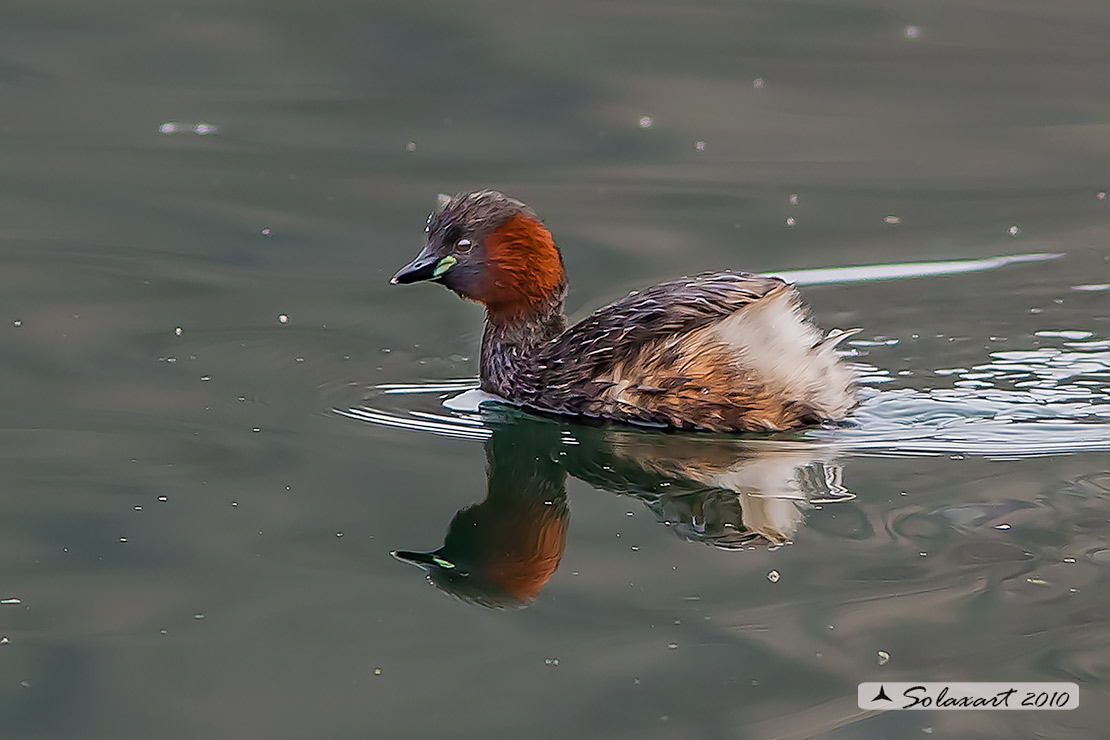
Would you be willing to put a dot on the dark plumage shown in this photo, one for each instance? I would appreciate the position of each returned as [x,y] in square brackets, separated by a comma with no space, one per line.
[717,351]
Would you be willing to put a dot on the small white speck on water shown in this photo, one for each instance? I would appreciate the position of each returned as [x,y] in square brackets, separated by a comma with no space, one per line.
[25,684]
[410,147]
[178,330]
[256,430]
[551,661]
[205,129]
[1091,288]
[635,548]
[338,534]
[163,499]
[892,219]
[267,232]
[205,378]
[646,121]
[377,671]
[4,640]
[283,318]
[169,127]
[1101,195]
[1069,560]
[757,83]
[912,32]
[790,221]
[137,508]
[630,513]
[123,539]
[793,199]
[773,576]
[1014,230]
[1002,527]
[672,646]
[884,657]
[699,145]
[11,601]
[163,632]
[198,616]
[17,322]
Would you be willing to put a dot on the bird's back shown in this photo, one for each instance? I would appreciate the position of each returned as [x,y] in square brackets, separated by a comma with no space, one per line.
[717,351]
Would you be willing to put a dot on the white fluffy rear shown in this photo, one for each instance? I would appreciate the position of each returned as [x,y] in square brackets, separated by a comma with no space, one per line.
[773,339]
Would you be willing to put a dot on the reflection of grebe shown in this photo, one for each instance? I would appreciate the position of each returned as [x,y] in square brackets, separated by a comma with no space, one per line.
[502,550]
[724,492]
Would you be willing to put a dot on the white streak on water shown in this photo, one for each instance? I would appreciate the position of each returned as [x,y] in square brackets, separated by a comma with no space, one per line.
[900,271]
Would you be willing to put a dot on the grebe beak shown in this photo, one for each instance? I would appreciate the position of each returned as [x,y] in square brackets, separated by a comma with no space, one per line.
[426,266]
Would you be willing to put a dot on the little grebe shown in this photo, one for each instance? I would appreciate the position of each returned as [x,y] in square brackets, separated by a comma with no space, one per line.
[718,351]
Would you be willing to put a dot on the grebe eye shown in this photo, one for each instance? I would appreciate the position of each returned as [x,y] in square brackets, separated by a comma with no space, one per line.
[463,245]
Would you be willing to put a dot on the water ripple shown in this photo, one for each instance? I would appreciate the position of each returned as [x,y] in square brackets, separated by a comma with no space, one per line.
[1022,403]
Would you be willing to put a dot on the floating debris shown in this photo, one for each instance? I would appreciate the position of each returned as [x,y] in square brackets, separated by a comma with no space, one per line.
[912,32]
[1014,230]
[200,128]
[757,83]
[646,122]
[884,657]
[283,318]
[892,219]
[773,576]
[699,145]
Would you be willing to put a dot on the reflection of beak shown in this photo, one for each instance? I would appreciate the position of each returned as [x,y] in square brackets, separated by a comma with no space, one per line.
[422,559]
[426,266]
[416,558]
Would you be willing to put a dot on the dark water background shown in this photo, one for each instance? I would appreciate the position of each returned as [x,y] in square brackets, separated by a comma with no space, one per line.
[194,543]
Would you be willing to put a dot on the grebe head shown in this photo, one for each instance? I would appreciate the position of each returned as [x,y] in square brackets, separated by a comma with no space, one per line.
[490,248]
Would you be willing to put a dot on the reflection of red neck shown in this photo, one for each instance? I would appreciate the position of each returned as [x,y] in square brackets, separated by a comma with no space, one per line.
[524,269]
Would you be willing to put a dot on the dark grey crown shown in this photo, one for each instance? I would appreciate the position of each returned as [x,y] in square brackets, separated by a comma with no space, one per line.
[476,214]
